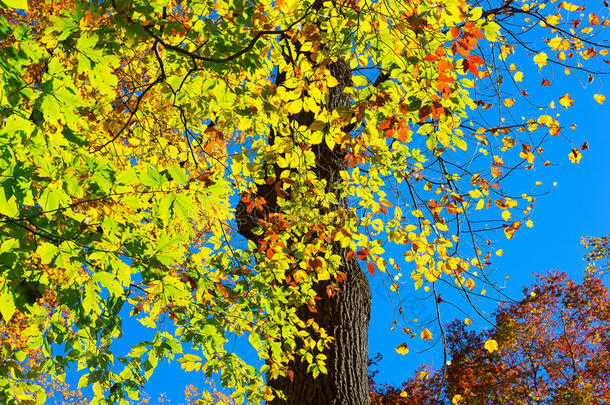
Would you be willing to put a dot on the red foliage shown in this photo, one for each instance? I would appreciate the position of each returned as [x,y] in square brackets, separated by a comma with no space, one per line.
[554,348]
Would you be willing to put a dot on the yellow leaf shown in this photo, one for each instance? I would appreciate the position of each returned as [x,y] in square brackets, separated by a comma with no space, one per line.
[476,193]
[467,321]
[285,6]
[519,76]
[426,334]
[417,213]
[509,102]
[402,349]
[570,6]
[480,204]
[470,284]
[331,81]
[499,252]
[541,59]
[456,399]
[491,345]
[295,106]
[403,394]
[506,215]
[566,101]
[599,98]
[575,156]
[529,223]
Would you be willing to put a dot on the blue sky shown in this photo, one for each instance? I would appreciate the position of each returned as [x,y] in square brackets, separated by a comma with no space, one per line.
[577,206]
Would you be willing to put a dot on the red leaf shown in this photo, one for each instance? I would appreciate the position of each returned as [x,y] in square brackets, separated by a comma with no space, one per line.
[362,253]
[370,268]
[350,255]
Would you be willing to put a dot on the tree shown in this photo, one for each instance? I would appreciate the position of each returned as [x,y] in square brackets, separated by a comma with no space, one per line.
[223,168]
[551,347]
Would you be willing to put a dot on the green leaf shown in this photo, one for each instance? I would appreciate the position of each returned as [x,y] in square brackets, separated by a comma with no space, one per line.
[7,305]
[9,244]
[8,203]
[83,381]
[255,341]
[20,4]
[47,252]
[108,281]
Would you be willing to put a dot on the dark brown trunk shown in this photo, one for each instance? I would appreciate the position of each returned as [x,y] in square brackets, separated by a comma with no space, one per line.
[345,316]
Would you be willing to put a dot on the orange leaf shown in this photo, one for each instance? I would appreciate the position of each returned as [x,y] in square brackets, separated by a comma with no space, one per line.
[362,253]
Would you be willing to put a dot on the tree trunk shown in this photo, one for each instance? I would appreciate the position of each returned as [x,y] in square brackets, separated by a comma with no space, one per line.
[346,315]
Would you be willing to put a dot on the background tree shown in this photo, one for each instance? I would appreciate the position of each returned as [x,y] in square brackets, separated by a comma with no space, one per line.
[131,129]
[549,348]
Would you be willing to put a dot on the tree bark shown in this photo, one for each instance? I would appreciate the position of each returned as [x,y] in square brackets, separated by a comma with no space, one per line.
[344,316]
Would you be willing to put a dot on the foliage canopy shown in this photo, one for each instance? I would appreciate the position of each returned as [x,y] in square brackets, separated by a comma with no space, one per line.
[132,128]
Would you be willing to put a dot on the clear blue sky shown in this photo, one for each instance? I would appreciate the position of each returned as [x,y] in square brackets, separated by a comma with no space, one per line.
[578,206]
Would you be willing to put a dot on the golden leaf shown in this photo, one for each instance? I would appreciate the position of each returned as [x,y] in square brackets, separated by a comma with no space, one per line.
[491,345]
[402,349]
[426,334]
[541,59]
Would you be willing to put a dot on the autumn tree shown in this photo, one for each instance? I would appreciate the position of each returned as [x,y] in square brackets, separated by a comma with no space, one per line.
[551,347]
[224,168]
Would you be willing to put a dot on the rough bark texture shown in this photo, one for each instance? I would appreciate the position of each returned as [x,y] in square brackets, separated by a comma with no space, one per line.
[344,316]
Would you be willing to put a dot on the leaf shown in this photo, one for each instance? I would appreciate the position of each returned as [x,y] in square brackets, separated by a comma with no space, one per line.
[599,98]
[570,7]
[7,305]
[362,254]
[402,349]
[491,345]
[456,399]
[83,381]
[331,81]
[575,156]
[541,59]
[506,215]
[20,4]
[371,268]
[108,281]
[426,334]
[566,101]
[47,252]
